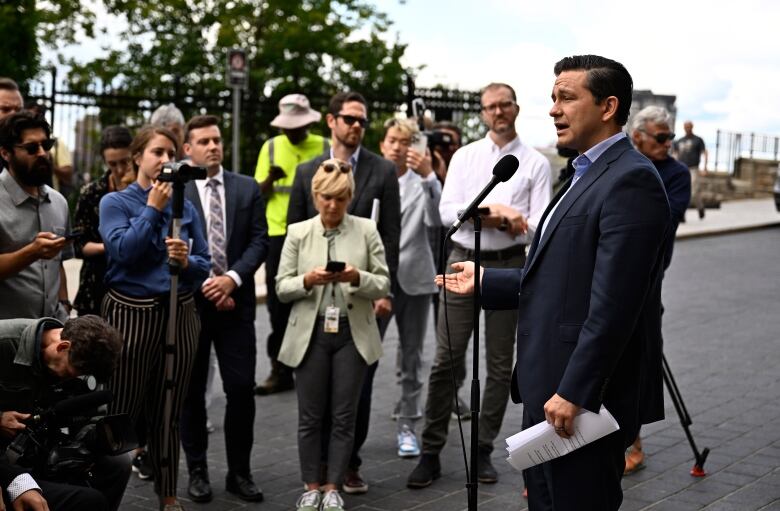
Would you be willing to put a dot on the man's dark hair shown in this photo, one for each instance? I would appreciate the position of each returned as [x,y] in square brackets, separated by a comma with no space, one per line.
[448,125]
[606,78]
[337,101]
[498,85]
[95,346]
[8,84]
[197,122]
[115,137]
[12,127]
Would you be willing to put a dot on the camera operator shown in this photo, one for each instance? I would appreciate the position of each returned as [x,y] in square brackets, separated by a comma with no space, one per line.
[134,226]
[34,354]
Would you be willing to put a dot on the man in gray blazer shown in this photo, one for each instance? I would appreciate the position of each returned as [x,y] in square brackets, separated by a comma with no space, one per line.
[412,290]
[375,180]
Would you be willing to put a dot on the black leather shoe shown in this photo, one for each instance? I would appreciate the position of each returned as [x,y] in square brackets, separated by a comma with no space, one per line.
[426,471]
[243,487]
[199,488]
[485,471]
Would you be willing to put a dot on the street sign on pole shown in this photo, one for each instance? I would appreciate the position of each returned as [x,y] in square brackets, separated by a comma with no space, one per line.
[237,79]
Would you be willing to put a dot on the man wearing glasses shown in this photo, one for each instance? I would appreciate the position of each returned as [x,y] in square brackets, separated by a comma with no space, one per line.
[375,182]
[652,136]
[34,224]
[515,208]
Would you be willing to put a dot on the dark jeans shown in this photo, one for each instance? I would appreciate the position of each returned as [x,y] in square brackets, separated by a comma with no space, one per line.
[327,383]
[234,342]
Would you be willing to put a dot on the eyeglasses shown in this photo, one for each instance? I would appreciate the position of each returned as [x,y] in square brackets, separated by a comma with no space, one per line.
[349,120]
[661,138]
[330,167]
[502,105]
[32,147]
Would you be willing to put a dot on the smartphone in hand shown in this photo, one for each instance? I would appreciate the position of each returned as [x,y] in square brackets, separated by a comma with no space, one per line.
[335,266]
[74,234]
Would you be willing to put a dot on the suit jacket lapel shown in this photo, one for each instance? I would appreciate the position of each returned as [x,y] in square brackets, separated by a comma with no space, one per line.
[231,192]
[566,201]
[191,193]
[361,178]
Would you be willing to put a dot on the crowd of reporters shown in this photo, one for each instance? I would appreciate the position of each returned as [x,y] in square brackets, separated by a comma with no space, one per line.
[350,239]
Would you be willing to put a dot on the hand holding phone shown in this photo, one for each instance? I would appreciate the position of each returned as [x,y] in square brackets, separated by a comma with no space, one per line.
[74,234]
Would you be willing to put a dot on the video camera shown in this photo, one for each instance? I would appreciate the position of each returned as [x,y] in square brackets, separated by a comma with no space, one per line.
[180,172]
[63,439]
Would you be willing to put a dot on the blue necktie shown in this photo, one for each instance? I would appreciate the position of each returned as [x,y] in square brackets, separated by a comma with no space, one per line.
[581,166]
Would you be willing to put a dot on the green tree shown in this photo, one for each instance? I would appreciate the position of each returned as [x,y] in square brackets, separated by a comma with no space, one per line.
[176,49]
[27,26]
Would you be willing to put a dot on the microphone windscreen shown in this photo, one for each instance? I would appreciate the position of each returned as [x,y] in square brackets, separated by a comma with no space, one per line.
[506,167]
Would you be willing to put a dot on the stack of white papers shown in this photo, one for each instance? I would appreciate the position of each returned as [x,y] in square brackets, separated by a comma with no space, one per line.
[541,443]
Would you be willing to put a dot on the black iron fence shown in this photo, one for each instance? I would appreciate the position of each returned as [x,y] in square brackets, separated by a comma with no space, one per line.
[78,116]
[731,146]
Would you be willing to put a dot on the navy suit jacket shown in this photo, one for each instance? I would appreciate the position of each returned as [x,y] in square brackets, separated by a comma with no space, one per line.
[376,178]
[589,297]
[246,234]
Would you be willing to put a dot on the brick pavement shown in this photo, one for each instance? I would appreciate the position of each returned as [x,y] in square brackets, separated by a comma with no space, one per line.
[721,330]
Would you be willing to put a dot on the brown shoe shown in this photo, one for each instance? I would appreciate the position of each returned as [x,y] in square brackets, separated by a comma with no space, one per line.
[635,458]
[280,380]
[353,483]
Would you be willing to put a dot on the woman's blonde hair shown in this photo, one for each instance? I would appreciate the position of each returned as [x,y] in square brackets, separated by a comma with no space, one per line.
[333,177]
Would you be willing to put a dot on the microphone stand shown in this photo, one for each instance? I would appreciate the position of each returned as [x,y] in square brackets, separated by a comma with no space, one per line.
[472,483]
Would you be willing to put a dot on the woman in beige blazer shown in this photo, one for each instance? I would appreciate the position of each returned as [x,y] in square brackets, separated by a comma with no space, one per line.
[332,335]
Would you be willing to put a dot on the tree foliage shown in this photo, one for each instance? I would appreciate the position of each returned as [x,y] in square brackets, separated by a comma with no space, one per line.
[177,49]
[26,26]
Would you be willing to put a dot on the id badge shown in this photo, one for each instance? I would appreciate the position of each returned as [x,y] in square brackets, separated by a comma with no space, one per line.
[331,319]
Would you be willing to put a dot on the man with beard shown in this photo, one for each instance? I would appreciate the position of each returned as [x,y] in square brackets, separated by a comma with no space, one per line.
[515,208]
[33,224]
[375,180]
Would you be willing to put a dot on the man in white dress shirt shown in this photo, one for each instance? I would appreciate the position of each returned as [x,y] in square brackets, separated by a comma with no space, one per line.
[515,209]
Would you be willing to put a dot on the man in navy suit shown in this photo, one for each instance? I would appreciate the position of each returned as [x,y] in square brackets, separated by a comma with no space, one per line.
[589,296]
[233,216]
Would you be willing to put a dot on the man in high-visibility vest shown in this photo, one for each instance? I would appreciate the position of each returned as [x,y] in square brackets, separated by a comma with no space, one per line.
[275,172]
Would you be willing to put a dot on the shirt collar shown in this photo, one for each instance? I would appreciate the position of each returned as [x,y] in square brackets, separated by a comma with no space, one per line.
[597,150]
[17,194]
[511,146]
[218,177]
[353,159]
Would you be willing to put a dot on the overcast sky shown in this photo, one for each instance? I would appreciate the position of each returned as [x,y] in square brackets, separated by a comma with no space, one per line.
[720,58]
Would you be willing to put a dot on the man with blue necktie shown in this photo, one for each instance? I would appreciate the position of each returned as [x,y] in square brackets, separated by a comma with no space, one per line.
[589,296]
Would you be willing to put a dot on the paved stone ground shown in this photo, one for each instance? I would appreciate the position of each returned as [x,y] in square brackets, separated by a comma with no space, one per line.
[722,329]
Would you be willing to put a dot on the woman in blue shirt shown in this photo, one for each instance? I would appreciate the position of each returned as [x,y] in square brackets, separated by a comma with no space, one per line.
[135,225]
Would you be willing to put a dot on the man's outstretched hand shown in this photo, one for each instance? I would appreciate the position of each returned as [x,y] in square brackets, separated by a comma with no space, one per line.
[462,281]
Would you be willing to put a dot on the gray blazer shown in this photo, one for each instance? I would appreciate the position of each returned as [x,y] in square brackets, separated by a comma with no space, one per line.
[419,211]
[305,247]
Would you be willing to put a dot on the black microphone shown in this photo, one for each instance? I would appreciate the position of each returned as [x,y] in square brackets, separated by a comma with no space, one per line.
[502,172]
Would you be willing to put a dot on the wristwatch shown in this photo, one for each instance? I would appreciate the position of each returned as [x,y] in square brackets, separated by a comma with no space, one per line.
[504,225]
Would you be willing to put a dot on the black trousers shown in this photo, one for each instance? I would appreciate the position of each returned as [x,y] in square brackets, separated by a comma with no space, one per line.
[587,479]
[233,337]
[278,312]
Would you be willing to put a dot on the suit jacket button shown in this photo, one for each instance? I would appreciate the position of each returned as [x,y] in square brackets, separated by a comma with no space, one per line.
[349,306]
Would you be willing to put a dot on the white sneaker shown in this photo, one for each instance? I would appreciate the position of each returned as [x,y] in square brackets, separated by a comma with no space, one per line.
[332,501]
[309,501]
[407,443]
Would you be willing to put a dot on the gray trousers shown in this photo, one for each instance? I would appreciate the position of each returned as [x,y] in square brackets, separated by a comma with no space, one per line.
[332,374]
[411,316]
[499,342]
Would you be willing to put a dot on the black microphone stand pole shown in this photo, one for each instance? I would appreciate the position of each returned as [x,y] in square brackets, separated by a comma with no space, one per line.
[170,340]
[472,483]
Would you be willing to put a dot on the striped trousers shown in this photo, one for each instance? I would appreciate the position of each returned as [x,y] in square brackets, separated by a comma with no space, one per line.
[138,383]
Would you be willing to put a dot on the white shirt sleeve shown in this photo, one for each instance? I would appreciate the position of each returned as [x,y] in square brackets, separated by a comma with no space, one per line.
[452,199]
[540,193]
[21,484]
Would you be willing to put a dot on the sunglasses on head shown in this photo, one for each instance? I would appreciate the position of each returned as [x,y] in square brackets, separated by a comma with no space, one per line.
[330,167]
[32,147]
[661,138]
[349,120]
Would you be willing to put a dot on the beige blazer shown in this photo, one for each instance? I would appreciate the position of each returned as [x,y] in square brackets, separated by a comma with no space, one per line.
[306,247]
